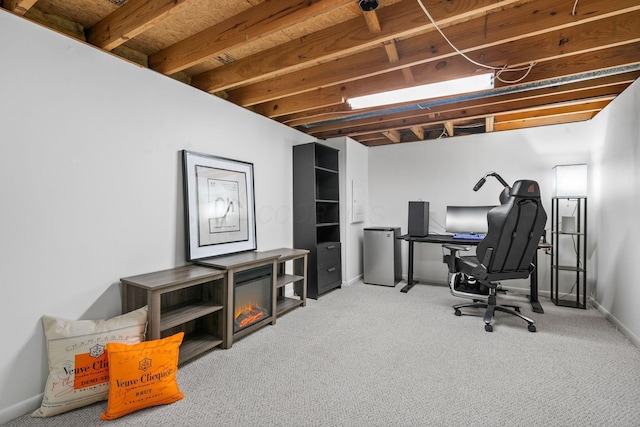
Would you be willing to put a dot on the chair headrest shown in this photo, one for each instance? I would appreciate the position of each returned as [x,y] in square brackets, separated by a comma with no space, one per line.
[505,194]
[525,188]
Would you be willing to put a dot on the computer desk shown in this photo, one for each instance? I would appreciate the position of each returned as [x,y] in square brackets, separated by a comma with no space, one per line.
[443,238]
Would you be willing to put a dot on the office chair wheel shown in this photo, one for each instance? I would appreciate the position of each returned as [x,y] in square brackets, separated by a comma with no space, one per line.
[532,328]
[488,327]
[458,312]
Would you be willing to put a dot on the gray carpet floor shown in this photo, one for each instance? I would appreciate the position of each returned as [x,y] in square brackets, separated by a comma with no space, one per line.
[368,355]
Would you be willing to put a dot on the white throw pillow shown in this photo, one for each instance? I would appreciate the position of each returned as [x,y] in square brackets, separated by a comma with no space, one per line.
[78,364]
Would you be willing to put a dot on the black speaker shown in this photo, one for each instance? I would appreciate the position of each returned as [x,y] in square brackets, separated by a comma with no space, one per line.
[418,219]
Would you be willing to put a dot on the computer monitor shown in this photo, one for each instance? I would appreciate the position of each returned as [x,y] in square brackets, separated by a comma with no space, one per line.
[467,219]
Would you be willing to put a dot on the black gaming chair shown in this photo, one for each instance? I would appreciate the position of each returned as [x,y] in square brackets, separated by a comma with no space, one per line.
[507,251]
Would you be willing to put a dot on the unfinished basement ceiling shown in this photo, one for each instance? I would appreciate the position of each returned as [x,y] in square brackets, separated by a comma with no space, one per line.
[299,61]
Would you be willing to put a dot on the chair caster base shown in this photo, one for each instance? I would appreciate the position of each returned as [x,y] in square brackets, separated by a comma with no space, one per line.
[491,309]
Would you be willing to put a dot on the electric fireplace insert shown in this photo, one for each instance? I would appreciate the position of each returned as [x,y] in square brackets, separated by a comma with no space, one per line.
[252,297]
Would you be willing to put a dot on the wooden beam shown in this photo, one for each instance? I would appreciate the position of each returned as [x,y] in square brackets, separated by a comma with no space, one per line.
[391,50]
[478,108]
[377,138]
[489,123]
[587,88]
[393,135]
[473,110]
[400,21]
[546,120]
[75,30]
[472,113]
[455,67]
[418,131]
[408,76]
[129,20]
[394,56]
[373,23]
[534,46]
[448,126]
[555,110]
[135,56]
[470,110]
[58,23]
[251,24]
[19,7]
[376,142]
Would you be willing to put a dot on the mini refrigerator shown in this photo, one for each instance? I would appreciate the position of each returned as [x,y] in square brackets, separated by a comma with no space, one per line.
[382,265]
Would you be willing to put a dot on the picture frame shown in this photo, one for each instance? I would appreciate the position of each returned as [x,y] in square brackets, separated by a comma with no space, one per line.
[219,203]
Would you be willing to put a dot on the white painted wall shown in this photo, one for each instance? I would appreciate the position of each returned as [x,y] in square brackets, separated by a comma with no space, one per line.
[614,205]
[90,185]
[443,172]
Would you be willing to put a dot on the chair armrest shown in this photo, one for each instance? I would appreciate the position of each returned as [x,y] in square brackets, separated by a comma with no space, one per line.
[454,248]
[450,259]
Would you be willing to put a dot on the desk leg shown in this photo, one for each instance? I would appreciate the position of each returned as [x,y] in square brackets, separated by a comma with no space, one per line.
[535,304]
[410,282]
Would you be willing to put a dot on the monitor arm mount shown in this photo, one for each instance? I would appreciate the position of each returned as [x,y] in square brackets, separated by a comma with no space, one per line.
[504,195]
[484,179]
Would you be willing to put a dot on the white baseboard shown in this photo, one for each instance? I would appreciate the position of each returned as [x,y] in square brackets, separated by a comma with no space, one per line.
[352,281]
[20,409]
[612,319]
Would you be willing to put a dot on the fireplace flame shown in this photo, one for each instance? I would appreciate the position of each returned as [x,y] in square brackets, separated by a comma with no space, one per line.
[248,315]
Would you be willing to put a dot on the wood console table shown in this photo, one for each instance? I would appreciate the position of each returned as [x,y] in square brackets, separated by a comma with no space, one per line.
[198,299]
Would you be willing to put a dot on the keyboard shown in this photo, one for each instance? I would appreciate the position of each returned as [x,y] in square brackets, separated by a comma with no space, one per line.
[469,236]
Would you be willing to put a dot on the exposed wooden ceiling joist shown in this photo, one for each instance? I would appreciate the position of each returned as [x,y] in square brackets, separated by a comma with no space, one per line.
[314,101]
[19,7]
[478,110]
[400,21]
[528,48]
[298,61]
[132,18]
[393,135]
[258,21]
[596,87]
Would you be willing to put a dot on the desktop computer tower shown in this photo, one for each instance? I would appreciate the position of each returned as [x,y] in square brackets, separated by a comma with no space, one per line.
[418,219]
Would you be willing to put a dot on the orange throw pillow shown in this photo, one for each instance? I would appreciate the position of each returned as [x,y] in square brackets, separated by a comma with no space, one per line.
[142,375]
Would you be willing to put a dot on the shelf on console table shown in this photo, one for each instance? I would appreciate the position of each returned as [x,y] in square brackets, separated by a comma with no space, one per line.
[189,299]
[298,279]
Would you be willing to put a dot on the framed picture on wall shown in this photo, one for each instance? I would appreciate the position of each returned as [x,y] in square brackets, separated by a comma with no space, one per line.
[219,205]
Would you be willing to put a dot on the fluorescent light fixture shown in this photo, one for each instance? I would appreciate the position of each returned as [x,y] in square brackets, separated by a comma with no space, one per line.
[570,180]
[432,90]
